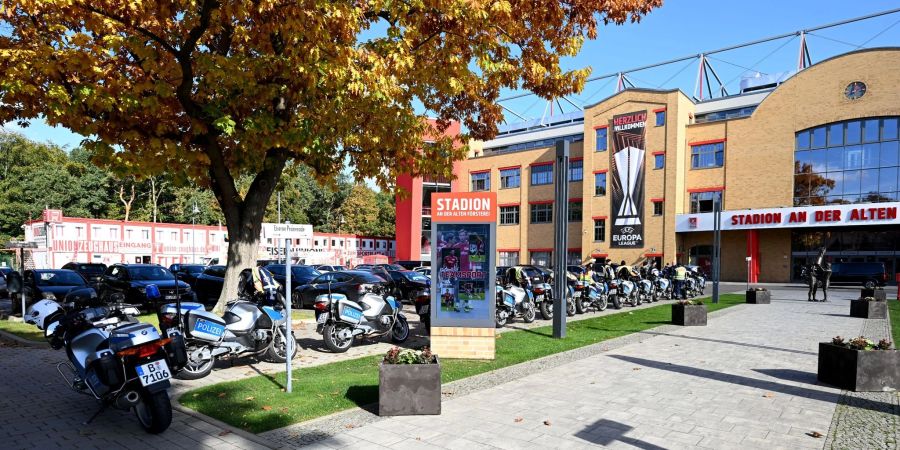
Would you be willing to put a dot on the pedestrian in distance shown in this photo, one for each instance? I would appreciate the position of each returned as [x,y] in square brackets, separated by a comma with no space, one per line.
[679,277]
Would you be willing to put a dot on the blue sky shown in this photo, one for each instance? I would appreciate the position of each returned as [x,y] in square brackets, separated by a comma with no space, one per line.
[682,28]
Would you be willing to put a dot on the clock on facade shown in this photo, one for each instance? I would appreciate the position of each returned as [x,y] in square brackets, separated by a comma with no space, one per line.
[855,90]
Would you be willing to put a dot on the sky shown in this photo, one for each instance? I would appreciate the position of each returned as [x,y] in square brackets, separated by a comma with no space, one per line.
[682,28]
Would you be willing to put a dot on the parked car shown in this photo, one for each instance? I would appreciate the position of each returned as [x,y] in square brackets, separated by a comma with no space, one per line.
[351,283]
[577,270]
[132,280]
[326,268]
[424,271]
[412,265]
[300,275]
[187,272]
[390,267]
[208,285]
[408,283]
[92,272]
[869,274]
[50,284]
[364,267]
[4,292]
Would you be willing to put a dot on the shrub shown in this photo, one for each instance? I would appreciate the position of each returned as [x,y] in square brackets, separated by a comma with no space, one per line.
[397,355]
[861,343]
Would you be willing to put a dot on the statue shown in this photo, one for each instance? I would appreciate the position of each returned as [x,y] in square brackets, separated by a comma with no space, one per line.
[816,275]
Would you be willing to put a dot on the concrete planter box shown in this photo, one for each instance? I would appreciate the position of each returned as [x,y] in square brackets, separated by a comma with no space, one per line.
[409,389]
[688,315]
[758,297]
[878,294]
[859,370]
[868,309]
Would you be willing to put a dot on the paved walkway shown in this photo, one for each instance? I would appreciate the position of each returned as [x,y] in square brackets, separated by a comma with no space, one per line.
[748,380]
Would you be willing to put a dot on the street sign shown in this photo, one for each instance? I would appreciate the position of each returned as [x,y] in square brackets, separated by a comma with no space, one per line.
[287,231]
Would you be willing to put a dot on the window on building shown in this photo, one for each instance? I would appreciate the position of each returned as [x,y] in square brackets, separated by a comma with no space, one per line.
[704,156]
[575,211]
[600,184]
[657,208]
[95,232]
[542,174]
[660,118]
[509,215]
[599,230]
[145,234]
[508,259]
[481,181]
[510,178]
[576,170]
[573,257]
[128,234]
[333,243]
[542,213]
[855,161]
[703,202]
[601,139]
[114,234]
[541,258]
[79,232]
[174,236]
[659,161]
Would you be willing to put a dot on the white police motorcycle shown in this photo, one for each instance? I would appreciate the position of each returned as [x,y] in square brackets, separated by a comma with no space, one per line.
[340,320]
[514,301]
[113,358]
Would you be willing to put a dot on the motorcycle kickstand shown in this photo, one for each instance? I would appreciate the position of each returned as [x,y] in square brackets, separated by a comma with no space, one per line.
[99,411]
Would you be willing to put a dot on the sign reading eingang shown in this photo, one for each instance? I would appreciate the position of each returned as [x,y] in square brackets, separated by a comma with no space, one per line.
[627,167]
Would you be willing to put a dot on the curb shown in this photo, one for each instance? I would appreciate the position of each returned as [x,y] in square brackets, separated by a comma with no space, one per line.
[255,438]
[6,336]
[316,430]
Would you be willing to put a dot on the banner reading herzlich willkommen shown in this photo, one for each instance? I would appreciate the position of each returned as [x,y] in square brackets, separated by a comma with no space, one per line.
[627,173]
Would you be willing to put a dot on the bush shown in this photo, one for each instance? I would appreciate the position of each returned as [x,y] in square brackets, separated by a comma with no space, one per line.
[410,356]
[861,343]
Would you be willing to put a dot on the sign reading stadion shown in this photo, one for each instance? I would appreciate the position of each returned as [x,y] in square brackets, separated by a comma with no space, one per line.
[799,217]
[627,166]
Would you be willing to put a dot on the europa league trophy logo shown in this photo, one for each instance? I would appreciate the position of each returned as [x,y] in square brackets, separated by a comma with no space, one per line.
[629,161]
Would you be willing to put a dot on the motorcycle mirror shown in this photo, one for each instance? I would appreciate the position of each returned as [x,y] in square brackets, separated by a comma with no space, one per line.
[14,283]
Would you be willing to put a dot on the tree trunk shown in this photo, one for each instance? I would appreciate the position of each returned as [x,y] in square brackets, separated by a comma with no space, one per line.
[128,202]
[242,252]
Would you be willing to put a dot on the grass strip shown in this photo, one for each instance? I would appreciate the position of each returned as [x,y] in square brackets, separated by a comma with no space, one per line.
[259,404]
[22,330]
[894,312]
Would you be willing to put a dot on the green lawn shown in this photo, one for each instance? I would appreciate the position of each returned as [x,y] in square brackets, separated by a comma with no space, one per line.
[258,404]
[894,312]
[22,330]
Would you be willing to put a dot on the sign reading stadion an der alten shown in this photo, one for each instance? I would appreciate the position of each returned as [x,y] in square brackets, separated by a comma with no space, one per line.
[627,167]
[796,217]
[463,270]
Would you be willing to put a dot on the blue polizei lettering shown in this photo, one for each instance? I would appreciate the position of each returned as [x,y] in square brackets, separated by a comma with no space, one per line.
[205,326]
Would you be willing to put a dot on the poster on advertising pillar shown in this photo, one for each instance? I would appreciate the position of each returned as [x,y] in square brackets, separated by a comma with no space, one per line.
[464,229]
[627,167]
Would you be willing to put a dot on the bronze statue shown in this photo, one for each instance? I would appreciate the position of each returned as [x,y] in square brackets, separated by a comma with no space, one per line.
[816,274]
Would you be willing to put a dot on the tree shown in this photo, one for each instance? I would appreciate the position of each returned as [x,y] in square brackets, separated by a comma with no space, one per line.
[359,213]
[126,203]
[215,90]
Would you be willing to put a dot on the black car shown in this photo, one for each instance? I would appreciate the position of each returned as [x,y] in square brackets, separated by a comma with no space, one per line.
[4,292]
[329,268]
[51,284]
[351,283]
[132,280]
[208,285]
[870,274]
[187,272]
[410,265]
[408,283]
[300,275]
[92,272]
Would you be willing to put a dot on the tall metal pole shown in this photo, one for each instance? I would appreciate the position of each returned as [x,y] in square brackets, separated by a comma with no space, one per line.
[561,238]
[717,246]
[287,307]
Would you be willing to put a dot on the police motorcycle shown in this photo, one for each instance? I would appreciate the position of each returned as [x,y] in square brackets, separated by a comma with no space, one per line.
[646,291]
[248,328]
[590,294]
[514,301]
[624,291]
[340,320]
[546,305]
[700,279]
[662,286]
[113,358]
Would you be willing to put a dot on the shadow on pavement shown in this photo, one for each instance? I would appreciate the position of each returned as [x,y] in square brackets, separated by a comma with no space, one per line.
[366,397]
[831,397]
[798,376]
[719,341]
[605,432]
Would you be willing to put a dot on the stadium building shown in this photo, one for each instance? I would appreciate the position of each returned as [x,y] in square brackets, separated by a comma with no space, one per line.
[797,161]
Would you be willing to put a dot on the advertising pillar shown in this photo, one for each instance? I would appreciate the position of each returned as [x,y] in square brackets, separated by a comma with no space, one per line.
[464,230]
[627,170]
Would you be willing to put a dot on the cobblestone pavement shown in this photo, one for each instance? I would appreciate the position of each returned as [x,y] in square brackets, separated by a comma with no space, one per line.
[747,380]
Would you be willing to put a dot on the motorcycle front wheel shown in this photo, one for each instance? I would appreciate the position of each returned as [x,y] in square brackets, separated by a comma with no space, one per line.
[581,305]
[529,313]
[570,307]
[400,331]
[334,342]
[501,318]
[277,348]
[154,411]
[195,370]
[546,310]
[602,304]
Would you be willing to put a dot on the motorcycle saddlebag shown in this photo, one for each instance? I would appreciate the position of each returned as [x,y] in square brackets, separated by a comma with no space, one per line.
[205,326]
[131,335]
[108,370]
[176,352]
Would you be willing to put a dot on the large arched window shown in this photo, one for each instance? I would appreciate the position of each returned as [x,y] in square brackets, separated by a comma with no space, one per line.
[854,161]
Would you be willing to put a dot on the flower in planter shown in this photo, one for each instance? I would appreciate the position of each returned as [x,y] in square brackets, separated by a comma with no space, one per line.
[884,344]
[397,355]
[690,302]
[868,299]
[861,343]
[837,340]
[759,289]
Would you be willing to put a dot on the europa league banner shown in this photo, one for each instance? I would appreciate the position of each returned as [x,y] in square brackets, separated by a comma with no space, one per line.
[627,167]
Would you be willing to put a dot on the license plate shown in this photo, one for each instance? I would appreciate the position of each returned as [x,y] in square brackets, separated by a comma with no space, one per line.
[171,297]
[153,372]
[322,318]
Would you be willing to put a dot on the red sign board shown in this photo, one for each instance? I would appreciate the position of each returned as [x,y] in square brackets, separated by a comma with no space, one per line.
[464,207]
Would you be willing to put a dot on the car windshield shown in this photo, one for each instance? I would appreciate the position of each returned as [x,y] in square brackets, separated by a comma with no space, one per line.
[369,277]
[393,267]
[59,279]
[193,269]
[304,271]
[91,269]
[149,273]
[415,276]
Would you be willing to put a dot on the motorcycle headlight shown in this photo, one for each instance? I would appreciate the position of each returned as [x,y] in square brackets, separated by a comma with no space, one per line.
[49,296]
